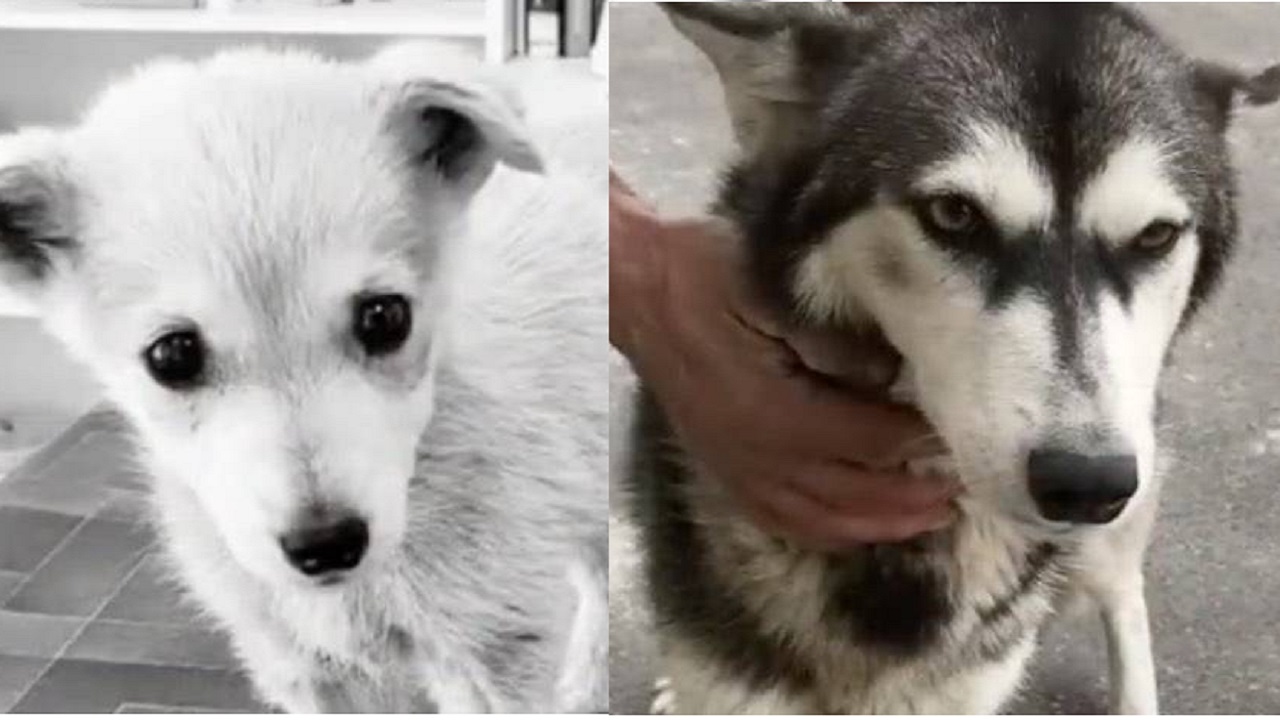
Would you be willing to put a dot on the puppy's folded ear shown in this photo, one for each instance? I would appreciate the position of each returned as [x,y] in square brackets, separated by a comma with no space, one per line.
[36,234]
[457,121]
[1225,88]
[462,131]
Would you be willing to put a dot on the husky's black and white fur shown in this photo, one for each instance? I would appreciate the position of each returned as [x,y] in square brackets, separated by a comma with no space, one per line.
[1028,202]
[360,339]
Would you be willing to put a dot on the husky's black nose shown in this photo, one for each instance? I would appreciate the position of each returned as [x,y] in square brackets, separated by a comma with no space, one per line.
[1076,488]
[320,549]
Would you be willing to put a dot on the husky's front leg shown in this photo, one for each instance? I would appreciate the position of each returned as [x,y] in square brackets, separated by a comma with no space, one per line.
[1129,654]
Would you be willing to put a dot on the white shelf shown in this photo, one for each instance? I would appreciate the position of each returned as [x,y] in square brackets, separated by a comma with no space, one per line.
[447,18]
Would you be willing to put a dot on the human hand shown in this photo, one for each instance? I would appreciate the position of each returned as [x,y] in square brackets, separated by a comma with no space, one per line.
[772,413]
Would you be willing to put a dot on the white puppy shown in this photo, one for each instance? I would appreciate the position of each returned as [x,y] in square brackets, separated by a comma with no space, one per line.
[366,369]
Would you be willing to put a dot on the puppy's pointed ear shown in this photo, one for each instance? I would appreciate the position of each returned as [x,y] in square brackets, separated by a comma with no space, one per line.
[456,120]
[1225,88]
[36,234]
[772,59]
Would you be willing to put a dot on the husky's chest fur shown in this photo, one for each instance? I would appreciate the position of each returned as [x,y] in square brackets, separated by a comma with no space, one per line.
[883,628]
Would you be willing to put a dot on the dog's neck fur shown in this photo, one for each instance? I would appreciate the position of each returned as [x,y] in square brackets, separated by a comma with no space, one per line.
[900,606]
[933,596]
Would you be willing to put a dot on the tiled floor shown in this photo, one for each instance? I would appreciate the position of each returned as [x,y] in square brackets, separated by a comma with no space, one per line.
[88,621]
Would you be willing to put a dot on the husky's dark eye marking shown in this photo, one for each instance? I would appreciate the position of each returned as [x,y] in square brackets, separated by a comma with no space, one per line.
[1157,238]
[958,224]
[382,323]
[951,214]
[176,360]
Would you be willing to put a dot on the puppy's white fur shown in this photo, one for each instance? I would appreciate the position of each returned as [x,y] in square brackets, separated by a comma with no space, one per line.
[256,194]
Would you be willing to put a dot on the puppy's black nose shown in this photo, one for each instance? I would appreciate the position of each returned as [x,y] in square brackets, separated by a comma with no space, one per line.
[1077,488]
[319,549]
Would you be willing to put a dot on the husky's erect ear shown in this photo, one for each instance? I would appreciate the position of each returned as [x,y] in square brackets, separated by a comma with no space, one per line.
[457,121]
[772,60]
[1224,87]
[35,210]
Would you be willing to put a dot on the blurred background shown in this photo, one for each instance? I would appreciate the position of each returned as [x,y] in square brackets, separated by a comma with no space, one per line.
[1214,568]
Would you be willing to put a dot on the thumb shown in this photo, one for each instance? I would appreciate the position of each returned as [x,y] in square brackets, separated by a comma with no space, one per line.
[860,360]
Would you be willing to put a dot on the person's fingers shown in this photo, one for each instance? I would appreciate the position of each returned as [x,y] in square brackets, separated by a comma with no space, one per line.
[821,418]
[843,487]
[800,418]
[864,361]
[743,398]
[628,210]
[795,519]
[860,359]
[791,515]
[618,185]
[896,528]
[826,423]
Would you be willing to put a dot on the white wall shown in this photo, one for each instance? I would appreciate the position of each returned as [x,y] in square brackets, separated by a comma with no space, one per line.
[47,76]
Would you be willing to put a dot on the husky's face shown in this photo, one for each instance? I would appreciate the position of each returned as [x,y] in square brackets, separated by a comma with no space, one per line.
[1028,202]
[251,253]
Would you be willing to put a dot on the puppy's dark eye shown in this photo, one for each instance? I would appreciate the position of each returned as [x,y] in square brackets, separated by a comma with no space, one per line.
[951,214]
[383,323]
[176,360]
[1157,238]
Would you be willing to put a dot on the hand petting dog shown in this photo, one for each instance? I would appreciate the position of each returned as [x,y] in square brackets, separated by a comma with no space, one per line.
[780,416]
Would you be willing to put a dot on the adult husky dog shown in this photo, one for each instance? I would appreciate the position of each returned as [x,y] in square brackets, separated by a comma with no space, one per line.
[1028,202]
[363,361]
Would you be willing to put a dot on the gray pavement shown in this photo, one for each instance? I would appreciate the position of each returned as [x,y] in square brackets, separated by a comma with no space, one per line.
[1214,568]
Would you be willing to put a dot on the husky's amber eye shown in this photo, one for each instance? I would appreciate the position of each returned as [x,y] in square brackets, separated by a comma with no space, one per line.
[382,323]
[176,360]
[1157,237]
[952,214]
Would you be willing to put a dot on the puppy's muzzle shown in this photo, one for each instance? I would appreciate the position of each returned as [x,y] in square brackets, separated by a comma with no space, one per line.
[1077,488]
[324,549]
